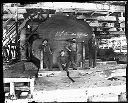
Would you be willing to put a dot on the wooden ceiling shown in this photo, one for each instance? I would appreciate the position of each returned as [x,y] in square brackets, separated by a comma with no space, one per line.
[96,13]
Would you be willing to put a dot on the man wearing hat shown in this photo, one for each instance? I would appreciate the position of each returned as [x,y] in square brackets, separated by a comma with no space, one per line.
[47,53]
[71,47]
[92,44]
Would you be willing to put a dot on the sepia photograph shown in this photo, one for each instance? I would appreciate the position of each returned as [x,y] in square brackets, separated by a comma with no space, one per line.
[64,51]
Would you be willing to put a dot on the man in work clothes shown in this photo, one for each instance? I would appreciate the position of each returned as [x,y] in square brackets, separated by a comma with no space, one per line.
[71,47]
[92,45]
[47,54]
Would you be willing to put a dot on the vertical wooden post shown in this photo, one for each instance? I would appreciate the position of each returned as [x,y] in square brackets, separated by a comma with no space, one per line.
[76,53]
[41,60]
[85,51]
[120,46]
[10,56]
[82,53]
[16,39]
[79,54]
[22,44]
[12,90]
[32,87]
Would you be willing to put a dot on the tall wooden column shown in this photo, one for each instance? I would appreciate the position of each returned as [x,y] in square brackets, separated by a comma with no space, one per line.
[22,44]
[79,54]
[82,53]
[12,91]
[41,61]
[17,46]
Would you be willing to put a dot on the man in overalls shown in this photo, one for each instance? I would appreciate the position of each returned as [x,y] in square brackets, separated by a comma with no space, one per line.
[47,54]
[92,45]
[71,47]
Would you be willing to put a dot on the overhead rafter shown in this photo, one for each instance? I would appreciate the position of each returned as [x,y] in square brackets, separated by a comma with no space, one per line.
[78,7]
[94,11]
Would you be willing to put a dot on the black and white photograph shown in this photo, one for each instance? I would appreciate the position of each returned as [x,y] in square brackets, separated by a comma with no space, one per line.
[64,51]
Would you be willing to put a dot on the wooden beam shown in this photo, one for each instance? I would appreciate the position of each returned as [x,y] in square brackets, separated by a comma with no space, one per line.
[12,91]
[70,5]
[41,61]
[19,101]
[8,80]
[117,32]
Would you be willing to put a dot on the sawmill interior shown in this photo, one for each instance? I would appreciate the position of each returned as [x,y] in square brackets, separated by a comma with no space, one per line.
[64,51]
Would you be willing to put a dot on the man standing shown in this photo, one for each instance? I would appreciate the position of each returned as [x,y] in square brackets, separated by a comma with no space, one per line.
[71,47]
[47,54]
[92,44]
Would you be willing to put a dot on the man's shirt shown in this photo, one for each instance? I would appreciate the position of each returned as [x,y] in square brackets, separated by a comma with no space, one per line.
[46,49]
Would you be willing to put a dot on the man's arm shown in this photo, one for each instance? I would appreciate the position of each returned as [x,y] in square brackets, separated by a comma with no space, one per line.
[68,48]
[50,49]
